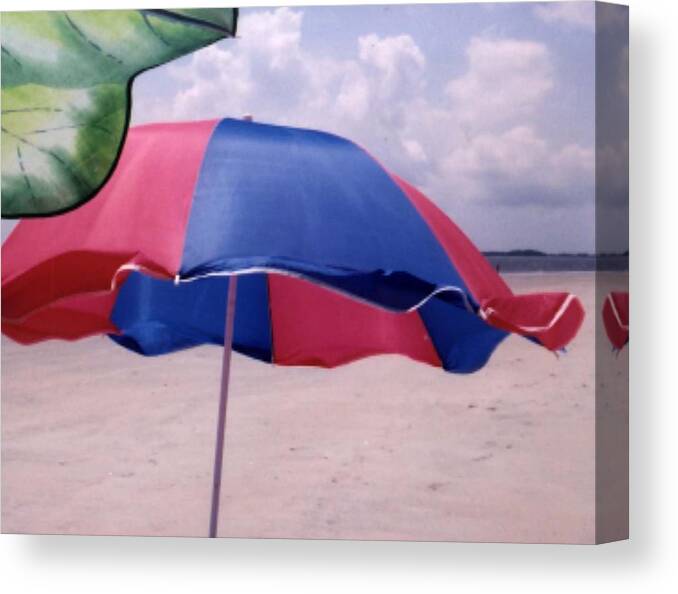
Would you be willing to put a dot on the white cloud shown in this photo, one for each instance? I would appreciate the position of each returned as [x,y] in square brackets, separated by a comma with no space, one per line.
[506,79]
[398,61]
[414,150]
[573,14]
[495,150]
[275,36]
[353,100]
[511,166]
[267,72]
[478,142]
[512,153]
[229,78]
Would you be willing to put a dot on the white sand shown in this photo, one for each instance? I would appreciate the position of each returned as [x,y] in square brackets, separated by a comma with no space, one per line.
[98,440]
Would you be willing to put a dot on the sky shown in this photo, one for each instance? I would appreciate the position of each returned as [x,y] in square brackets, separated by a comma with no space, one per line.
[489,109]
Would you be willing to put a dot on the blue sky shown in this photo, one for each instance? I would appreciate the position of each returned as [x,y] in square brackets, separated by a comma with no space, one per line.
[487,108]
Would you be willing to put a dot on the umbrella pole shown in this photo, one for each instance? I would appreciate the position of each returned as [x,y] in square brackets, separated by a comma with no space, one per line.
[223,400]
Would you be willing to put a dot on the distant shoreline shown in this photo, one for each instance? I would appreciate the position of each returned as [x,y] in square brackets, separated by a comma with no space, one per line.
[528,261]
[539,254]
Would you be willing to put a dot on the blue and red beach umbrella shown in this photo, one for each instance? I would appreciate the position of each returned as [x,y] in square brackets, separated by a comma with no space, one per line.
[337,258]
[334,259]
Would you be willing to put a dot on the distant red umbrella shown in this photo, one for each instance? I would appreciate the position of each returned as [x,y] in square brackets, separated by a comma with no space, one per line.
[616,318]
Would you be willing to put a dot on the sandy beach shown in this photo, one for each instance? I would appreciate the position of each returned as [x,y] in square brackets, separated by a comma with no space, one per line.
[98,440]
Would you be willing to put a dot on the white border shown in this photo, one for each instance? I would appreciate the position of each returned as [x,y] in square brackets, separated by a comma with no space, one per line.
[646,563]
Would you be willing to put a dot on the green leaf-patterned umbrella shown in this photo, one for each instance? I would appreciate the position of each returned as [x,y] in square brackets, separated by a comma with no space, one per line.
[66,94]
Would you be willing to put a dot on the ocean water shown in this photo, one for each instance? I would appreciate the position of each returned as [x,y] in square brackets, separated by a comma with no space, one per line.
[564,263]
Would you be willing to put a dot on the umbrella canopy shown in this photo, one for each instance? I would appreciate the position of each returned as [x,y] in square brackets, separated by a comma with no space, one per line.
[616,318]
[337,258]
